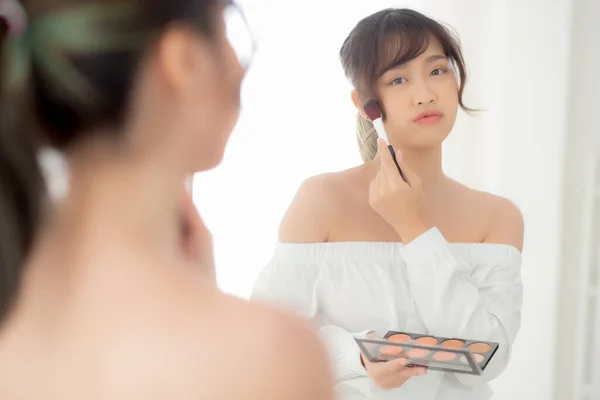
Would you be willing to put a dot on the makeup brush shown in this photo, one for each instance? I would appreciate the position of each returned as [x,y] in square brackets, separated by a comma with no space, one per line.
[373,111]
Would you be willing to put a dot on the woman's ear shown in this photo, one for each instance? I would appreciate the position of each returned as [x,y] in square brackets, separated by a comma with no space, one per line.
[180,57]
[358,103]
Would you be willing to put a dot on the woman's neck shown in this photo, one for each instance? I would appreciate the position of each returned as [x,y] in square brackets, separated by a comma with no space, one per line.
[117,203]
[426,163]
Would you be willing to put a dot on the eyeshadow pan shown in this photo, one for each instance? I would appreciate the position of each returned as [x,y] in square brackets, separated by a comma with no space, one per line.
[427,340]
[417,353]
[453,343]
[390,350]
[399,337]
[477,357]
[480,347]
[444,356]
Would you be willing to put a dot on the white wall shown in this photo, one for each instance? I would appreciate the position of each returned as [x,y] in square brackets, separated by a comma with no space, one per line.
[535,112]
[582,148]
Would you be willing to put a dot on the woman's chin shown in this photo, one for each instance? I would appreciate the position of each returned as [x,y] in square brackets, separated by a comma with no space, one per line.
[424,140]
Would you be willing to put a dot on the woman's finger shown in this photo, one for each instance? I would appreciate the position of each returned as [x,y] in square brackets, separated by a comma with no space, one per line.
[409,372]
[385,158]
[388,166]
[411,177]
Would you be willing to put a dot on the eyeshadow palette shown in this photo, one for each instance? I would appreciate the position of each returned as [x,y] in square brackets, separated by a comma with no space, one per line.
[432,352]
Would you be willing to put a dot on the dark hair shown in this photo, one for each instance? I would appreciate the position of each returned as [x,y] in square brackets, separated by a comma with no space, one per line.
[386,39]
[21,195]
[82,57]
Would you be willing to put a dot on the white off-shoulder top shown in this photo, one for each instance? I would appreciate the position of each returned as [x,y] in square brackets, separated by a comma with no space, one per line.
[430,286]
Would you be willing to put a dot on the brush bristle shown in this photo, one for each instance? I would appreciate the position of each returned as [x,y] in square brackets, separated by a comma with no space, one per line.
[372,109]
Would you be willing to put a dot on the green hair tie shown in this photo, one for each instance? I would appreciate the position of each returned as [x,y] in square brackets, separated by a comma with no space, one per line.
[86,29]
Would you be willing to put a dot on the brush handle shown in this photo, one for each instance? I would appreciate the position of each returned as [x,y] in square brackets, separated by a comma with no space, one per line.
[393,153]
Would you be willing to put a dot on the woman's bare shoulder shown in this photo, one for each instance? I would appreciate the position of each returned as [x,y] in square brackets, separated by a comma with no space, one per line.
[277,356]
[315,205]
[206,344]
[506,225]
[142,329]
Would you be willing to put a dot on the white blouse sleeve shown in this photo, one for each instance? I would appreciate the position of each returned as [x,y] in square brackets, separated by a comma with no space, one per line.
[451,305]
[290,285]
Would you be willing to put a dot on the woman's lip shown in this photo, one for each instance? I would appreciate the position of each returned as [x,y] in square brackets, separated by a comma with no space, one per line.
[427,114]
[428,119]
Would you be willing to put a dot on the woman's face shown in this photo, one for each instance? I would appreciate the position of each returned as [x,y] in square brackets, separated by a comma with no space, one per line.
[420,99]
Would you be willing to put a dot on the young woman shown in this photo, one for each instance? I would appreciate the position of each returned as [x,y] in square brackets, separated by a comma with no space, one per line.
[105,297]
[363,250]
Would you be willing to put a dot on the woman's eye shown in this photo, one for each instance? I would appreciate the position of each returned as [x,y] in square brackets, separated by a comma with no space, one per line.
[438,71]
[398,81]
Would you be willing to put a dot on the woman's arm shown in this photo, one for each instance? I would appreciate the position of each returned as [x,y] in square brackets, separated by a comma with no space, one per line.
[449,302]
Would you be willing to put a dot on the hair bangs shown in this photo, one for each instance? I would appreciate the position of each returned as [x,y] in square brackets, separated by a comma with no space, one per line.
[397,47]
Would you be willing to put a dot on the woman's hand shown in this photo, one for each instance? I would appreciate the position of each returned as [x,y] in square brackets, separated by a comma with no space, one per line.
[400,203]
[391,374]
